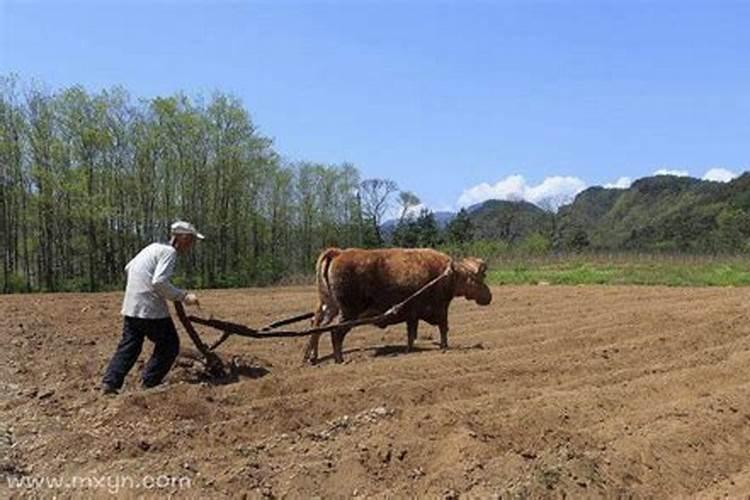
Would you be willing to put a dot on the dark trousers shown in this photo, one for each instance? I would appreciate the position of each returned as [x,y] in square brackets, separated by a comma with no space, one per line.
[166,346]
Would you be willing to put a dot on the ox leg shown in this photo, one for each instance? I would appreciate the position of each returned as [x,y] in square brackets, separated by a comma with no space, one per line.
[320,318]
[411,332]
[337,341]
[311,351]
[325,313]
[444,334]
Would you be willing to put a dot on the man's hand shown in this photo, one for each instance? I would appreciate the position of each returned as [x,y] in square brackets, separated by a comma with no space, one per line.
[191,300]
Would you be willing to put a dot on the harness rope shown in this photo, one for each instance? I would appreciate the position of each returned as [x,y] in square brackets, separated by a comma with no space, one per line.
[228,328]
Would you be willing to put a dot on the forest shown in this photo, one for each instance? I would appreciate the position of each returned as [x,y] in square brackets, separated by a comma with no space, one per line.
[88,178]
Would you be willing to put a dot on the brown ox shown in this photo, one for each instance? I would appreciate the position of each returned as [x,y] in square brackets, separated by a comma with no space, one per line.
[358,283]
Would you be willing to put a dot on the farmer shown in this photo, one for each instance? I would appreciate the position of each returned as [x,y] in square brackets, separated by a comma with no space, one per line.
[145,310]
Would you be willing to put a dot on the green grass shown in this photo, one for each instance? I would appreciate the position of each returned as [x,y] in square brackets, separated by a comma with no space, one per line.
[629,270]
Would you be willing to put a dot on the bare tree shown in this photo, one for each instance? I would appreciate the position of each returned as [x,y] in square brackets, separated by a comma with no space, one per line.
[551,205]
[375,195]
[553,202]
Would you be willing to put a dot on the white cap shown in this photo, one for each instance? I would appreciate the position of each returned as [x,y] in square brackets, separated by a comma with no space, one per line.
[182,227]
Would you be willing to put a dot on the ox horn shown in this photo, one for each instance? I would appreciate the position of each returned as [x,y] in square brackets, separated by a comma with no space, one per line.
[482,268]
[475,266]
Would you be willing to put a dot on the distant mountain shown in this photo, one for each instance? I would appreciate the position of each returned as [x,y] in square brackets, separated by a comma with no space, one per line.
[508,220]
[387,227]
[494,219]
[444,218]
[477,206]
[659,213]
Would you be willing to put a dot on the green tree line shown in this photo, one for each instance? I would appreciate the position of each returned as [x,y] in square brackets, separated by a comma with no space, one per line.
[88,178]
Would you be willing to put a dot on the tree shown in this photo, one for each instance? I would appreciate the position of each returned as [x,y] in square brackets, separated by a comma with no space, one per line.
[375,197]
[427,228]
[407,200]
[46,158]
[406,233]
[733,230]
[579,241]
[460,229]
[551,205]
[421,231]
[13,193]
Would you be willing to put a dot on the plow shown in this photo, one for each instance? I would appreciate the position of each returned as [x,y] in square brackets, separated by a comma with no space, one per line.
[216,366]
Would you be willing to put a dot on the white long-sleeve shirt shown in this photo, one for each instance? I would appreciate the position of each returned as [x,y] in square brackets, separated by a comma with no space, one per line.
[148,287]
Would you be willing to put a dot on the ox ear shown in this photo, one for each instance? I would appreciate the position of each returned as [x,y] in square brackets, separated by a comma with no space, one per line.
[482,271]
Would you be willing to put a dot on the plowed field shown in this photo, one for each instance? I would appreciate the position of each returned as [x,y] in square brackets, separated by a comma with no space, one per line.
[549,391]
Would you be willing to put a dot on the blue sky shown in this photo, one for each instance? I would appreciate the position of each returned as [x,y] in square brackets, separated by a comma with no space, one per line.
[456,101]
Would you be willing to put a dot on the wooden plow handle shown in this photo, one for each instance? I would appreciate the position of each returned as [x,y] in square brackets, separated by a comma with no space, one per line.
[213,362]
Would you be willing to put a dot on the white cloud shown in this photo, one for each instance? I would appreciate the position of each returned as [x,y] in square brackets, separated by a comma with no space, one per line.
[414,211]
[510,188]
[556,191]
[719,175]
[621,183]
[678,173]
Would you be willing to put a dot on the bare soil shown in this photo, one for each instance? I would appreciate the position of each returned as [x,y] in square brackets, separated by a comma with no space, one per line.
[548,392]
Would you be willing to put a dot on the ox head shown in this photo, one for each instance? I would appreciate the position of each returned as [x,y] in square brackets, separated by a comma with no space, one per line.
[470,273]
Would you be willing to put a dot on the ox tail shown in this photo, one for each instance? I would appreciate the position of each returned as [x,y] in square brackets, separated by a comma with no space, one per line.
[327,307]
[322,268]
